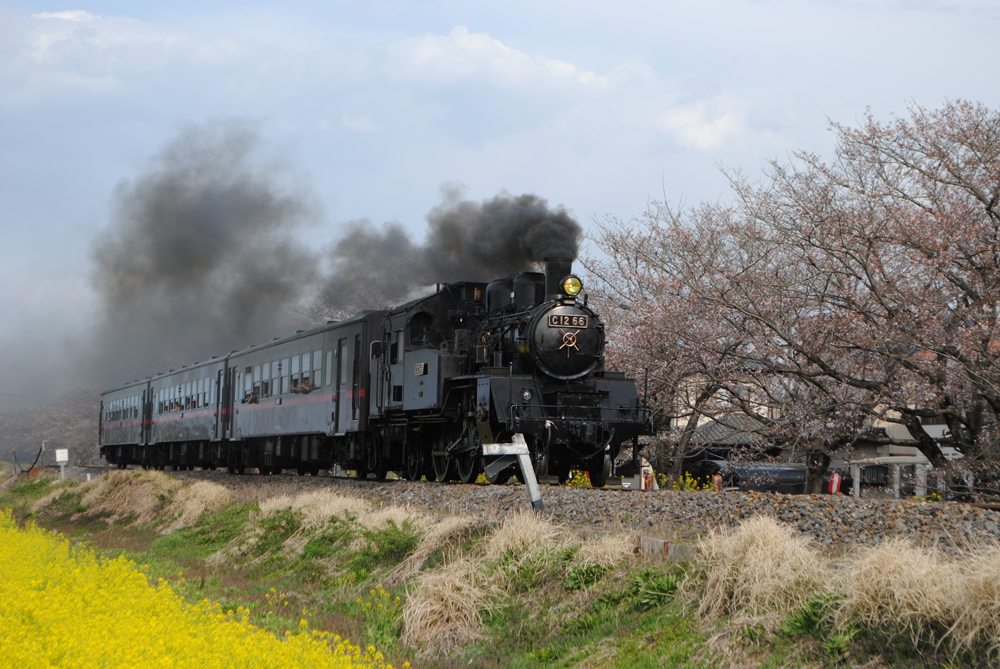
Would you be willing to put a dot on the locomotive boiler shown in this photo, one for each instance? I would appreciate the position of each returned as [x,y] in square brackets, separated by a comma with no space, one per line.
[416,389]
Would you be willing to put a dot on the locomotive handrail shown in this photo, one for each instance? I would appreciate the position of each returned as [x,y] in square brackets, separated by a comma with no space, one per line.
[538,411]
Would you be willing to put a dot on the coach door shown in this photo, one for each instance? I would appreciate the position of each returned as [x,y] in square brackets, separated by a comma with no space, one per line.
[226,401]
[216,398]
[147,417]
[341,388]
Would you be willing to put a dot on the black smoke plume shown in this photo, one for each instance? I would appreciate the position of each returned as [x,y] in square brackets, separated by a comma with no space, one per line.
[466,241]
[200,257]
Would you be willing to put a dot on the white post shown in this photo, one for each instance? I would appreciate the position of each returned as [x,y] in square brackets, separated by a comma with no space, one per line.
[516,450]
[856,478]
[62,459]
[921,487]
[894,479]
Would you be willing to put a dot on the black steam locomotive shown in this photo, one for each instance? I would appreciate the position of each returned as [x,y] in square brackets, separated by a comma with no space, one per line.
[416,389]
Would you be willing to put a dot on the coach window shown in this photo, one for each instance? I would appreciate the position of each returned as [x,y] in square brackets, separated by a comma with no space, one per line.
[265,380]
[284,376]
[295,373]
[342,363]
[329,367]
[306,384]
[317,368]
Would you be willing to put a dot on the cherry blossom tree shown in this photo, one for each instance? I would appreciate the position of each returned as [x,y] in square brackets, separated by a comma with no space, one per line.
[857,290]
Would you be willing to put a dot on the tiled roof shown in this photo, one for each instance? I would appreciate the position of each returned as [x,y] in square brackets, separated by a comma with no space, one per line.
[731,430]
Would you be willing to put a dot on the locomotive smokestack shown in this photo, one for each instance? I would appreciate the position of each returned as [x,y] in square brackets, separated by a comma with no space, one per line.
[556,269]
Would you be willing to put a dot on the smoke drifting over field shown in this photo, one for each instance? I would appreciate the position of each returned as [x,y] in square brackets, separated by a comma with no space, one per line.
[202,255]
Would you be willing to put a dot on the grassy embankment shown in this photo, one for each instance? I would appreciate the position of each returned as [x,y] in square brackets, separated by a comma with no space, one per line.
[446,592]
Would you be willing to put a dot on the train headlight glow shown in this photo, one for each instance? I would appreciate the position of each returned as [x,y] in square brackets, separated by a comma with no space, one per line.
[572,286]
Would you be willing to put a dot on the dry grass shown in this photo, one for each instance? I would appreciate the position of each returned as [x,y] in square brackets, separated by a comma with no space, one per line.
[981,613]
[608,552]
[122,493]
[190,502]
[444,612]
[9,478]
[379,519]
[898,585]
[317,508]
[272,505]
[521,534]
[760,566]
[444,534]
[49,498]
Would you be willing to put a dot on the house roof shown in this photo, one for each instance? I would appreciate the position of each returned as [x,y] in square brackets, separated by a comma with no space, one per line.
[730,430]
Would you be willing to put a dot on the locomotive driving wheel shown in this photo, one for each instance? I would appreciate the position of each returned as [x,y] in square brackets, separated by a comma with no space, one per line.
[470,466]
[444,468]
[444,464]
[469,463]
[414,462]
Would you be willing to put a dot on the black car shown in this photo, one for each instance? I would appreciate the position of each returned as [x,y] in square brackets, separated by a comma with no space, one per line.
[782,477]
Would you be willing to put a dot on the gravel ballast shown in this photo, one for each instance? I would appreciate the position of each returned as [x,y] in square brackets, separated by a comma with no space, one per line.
[836,522]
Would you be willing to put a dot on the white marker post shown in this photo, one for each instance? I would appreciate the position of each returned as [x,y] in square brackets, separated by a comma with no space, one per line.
[516,451]
[62,459]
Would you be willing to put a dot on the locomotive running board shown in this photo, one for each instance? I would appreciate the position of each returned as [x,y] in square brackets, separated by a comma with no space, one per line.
[516,451]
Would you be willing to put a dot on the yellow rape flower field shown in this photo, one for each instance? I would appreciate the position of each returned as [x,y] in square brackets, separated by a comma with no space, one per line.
[61,606]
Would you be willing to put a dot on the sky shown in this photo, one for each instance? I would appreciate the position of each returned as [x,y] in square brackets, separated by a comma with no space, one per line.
[374,109]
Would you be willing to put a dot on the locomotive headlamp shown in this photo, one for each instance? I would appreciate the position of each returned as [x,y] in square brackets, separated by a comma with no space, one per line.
[526,395]
[572,286]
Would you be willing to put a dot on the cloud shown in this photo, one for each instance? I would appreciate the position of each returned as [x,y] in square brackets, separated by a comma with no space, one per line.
[358,123]
[462,56]
[77,15]
[700,127]
[73,53]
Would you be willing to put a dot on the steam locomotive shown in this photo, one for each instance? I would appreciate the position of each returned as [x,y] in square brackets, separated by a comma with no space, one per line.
[416,389]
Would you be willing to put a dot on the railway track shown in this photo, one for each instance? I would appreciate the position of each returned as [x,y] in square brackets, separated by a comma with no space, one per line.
[835,522]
